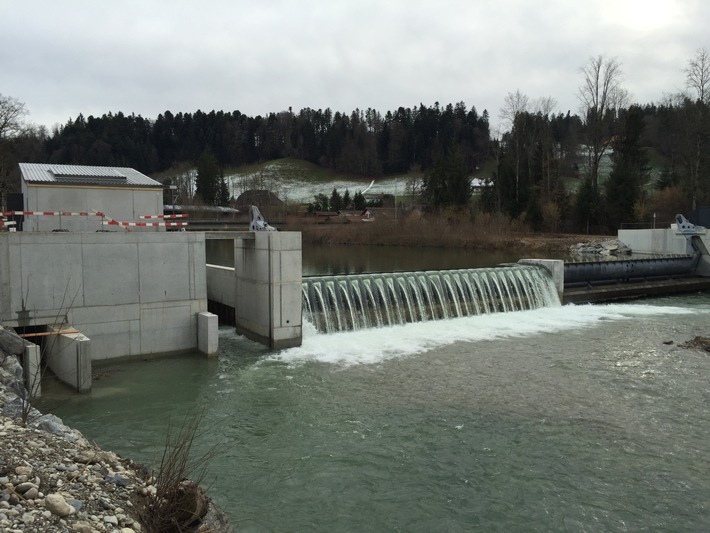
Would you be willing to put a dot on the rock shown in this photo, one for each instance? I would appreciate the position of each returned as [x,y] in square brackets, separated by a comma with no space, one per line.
[10,342]
[82,527]
[110,519]
[606,248]
[23,470]
[76,504]
[698,343]
[52,424]
[91,457]
[31,494]
[117,480]
[58,505]
[22,488]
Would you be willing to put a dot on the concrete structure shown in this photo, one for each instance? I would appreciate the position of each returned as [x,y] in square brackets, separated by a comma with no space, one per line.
[68,356]
[659,241]
[263,287]
[123,194]
[132,294]
[668,241]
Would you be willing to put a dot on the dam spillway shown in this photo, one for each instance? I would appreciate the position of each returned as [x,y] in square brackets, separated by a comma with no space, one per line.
[352,302]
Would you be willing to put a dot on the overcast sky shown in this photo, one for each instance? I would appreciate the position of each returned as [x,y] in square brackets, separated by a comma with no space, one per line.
[62,58]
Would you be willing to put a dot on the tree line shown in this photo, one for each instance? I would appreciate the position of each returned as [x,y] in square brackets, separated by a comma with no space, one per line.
[552,171]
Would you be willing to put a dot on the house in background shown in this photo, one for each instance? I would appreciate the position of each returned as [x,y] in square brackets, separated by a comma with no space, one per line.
[121,193]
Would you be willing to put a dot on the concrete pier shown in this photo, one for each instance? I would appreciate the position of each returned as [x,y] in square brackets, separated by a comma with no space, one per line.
[556,268]
[207,333]
[68,356]
[263,285]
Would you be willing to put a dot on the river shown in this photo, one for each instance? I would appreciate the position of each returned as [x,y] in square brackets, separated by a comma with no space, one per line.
[566,418]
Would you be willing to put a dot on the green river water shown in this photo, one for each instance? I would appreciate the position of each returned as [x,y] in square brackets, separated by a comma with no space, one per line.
[567,418]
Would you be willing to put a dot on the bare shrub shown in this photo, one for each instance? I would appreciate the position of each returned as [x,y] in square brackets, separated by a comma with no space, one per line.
[178,503]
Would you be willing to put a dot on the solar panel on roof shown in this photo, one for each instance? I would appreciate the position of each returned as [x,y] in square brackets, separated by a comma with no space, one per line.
[74,172]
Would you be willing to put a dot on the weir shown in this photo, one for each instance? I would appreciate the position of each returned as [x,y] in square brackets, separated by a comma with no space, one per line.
[341,303]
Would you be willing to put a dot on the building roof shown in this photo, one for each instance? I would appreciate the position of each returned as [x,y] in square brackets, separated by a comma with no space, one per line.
[85,175]
[259,198]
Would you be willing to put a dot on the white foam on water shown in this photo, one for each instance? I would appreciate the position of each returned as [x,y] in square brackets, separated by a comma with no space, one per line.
[375,345]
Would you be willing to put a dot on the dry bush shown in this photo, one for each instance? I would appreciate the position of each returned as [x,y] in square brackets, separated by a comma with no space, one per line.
[667,203]
[552,216]
[451,228]
[178,503]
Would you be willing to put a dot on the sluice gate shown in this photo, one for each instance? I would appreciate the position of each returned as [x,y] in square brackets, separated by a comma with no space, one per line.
[600,281]
[341,303]
[583,273]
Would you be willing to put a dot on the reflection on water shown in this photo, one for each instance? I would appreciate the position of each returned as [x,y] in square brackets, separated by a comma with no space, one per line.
[574,418]
[320,260]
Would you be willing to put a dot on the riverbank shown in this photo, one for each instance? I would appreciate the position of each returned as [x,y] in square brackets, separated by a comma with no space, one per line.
[485,232]
[52,479]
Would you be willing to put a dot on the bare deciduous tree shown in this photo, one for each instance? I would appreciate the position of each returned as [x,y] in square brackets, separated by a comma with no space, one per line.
[697,75]
[12,114]
[546,105]
[513,104]
[12,124]
[601,96]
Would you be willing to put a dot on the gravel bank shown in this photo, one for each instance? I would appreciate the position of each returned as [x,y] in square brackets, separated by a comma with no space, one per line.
[53,480]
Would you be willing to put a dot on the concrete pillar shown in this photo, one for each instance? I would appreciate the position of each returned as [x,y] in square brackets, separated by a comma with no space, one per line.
[268,268]
[83,364]
[556,267]
[31,360]
[207,333]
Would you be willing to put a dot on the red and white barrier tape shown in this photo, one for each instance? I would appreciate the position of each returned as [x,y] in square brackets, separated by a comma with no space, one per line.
[107,222]
[144,224]
[163,216]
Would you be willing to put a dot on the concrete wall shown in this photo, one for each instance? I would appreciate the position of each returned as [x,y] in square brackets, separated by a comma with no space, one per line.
[653,241]
[222,285]
[130,293]
[119,203]
[656,241]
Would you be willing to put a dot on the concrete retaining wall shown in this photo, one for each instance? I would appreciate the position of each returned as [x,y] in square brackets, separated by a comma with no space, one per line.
[653,241]
[130,293]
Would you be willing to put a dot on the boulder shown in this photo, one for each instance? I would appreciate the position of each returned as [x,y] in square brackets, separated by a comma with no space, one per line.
[57,505]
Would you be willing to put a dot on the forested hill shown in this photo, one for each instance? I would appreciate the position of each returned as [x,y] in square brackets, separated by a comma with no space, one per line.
[362,142]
